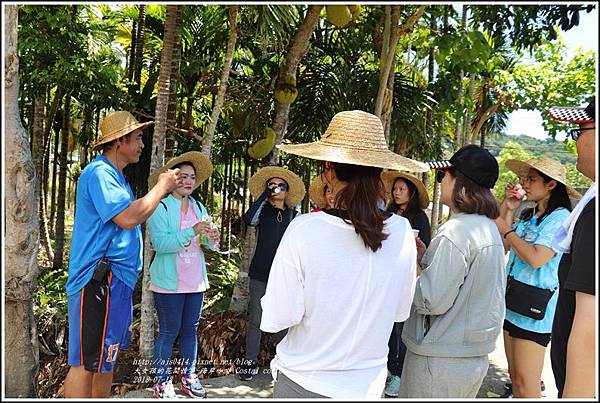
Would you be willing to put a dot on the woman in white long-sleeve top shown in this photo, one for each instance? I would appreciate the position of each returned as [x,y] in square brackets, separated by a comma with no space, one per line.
[342,276]
[458,307]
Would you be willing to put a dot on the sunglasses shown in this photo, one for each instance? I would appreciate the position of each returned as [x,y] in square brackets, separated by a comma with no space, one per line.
[282,186]
[439,175]
[576,133]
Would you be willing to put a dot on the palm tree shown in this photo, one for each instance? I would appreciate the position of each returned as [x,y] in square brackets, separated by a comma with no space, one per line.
[214,118]
[172,26]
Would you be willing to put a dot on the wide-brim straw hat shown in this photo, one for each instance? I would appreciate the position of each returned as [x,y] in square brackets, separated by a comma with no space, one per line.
[551,168]
[355,137]
[316,191]
[202,166]
[296,189]
[117,125]
[389,177]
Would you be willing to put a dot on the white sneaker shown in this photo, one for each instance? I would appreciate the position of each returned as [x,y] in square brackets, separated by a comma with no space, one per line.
[392,387]
[164,390]
[192,387]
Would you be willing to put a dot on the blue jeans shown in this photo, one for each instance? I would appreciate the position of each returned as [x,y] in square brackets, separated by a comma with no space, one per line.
[397,350]
[178,315]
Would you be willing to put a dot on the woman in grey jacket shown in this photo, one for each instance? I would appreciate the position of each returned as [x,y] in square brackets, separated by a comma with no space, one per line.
[458,307]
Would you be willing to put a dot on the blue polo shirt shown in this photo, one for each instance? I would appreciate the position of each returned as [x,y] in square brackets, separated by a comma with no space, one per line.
[544,277]
[102,193]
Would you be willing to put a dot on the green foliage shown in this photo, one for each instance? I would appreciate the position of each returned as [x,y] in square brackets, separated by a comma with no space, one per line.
[552,79]
[50,309]
[528,25]
[576,178]
[222,276]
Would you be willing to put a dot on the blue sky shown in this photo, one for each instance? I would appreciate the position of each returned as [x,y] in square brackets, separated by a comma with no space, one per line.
[585,35]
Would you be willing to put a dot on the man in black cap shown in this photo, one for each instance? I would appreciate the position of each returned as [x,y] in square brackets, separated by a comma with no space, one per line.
[573,332]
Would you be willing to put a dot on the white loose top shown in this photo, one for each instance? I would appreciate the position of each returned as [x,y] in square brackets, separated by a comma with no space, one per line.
[339,300]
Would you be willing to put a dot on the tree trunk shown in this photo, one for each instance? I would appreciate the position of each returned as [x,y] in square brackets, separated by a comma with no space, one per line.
[59,236]
[297,48]
[461,101]
[392,33]
[478,124]
[467,119]
[157,161]
[218,104]
[53,188]
[139,47]
[38,153]
[21,357]
[171,112]
[131,60]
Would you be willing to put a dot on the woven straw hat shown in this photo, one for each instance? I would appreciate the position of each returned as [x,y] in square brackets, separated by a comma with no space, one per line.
[551,168]
[296,190]
[201,164]
[389,177]
[117,125]
[355,137]
[316,191]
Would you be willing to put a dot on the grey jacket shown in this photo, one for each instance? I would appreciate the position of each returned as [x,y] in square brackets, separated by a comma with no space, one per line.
[458,308]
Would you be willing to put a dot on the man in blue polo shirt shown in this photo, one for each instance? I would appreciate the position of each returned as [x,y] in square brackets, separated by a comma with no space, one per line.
[106,255]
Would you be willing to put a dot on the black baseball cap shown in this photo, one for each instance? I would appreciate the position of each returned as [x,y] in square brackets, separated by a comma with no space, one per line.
[574,115]
[476,163]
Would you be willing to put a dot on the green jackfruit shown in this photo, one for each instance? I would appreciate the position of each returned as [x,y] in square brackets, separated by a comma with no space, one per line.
[263,147]
[355,11]
[340,16]
[270,135]
[251,152]
[285,94]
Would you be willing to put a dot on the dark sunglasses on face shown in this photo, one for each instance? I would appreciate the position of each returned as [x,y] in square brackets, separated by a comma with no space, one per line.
[282,186]
[576,133]
[440,175]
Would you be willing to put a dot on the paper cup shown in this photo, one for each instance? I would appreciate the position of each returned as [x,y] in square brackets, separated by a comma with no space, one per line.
[416,232]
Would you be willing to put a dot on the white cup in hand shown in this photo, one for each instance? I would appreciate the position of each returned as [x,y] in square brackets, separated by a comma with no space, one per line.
[415,232]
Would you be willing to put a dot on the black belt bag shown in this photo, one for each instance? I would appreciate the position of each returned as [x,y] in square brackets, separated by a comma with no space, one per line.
[526,299]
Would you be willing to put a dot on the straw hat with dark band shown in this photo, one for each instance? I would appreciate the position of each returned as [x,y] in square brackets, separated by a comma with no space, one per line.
[389,177]
[551,168]
[296,190]
[117,125]
[355,137]
[316,191]
[202,166]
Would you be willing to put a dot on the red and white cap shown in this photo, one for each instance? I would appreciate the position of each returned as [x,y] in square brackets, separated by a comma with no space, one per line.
[574,115]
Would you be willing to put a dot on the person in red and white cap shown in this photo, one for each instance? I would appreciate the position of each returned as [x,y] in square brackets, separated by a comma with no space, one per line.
[574,328]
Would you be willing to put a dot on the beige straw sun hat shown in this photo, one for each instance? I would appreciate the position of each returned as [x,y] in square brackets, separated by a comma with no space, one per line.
[296,190]
[389,177]
[316,191]
[355,137]
[117,125]
[202,166]
[551,168]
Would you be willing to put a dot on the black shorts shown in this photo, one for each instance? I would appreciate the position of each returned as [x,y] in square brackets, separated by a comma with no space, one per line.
[514,331]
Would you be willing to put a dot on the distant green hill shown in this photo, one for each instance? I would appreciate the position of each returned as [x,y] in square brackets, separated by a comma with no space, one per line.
[548,148]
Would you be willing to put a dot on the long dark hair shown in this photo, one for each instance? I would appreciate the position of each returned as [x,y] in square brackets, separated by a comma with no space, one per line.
[472,198]
[412,208]
[361,199]
[558,198]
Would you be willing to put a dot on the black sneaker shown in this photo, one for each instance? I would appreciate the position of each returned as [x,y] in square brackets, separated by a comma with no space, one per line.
[248,370]
[507,391]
